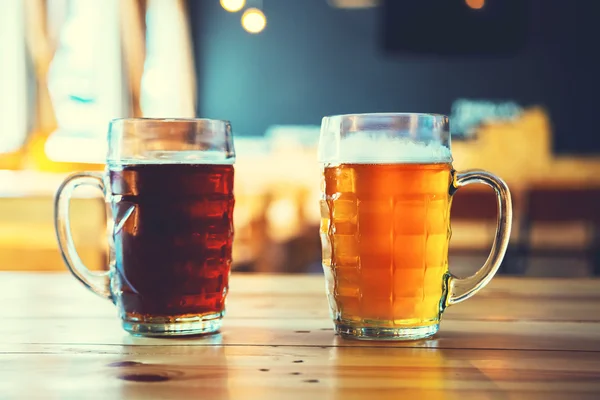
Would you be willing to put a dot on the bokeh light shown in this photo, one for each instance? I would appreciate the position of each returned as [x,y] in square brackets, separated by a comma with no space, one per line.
[254,20]
[233,5]
[475,4]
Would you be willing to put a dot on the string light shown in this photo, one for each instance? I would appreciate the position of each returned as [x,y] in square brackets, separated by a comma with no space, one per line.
[254,20]
[233,5]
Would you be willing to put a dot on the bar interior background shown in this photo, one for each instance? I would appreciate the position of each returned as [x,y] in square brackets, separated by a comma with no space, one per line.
[517,77]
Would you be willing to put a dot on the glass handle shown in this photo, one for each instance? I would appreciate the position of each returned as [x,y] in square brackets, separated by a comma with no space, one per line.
[460,289]
[97,282]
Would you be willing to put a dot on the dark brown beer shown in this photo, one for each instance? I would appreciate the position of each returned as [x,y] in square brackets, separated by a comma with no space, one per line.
[173,233]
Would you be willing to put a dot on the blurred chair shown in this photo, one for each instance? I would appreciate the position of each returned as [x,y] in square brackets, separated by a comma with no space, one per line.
[476,204]
[303,250]
[557,206]
[27,238]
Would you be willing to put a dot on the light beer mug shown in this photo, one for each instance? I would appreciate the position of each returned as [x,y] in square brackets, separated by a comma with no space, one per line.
[387,190]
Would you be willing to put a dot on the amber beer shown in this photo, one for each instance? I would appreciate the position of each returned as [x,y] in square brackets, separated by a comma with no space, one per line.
[173,239]
[385,230]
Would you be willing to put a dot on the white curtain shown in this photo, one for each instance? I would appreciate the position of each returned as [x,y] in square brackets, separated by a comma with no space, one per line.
[13,89]
[168,86]
[93,61]
[86,82]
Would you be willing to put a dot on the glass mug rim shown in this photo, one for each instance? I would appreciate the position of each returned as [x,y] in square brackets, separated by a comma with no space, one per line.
[170,141]
[167,120]
[387,115]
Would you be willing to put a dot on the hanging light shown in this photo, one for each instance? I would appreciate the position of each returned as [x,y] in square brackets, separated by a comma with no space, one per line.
[475,4]
[254,20]
[354,3]
[233,5]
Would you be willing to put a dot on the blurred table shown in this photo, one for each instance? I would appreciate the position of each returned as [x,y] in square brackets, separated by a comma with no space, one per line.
[519,338]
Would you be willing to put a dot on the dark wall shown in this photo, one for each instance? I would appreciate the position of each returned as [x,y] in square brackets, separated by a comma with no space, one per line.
[314,60]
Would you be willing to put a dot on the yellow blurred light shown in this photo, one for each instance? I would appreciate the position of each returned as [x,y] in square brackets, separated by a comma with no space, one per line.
[475,4]
[253,20]
[233,5]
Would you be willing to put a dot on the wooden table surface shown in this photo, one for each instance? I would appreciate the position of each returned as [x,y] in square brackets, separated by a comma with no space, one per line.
[518,338]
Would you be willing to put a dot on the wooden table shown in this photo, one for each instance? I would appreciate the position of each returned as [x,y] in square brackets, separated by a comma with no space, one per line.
[519,338]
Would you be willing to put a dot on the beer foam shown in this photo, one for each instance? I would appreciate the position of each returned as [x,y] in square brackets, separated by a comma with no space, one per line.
[362,148]
[178,157]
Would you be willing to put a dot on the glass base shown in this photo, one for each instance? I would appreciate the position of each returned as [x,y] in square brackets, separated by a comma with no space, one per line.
[172,327]
[379,333]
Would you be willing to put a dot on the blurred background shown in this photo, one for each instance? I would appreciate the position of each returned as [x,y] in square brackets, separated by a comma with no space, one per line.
[519,79]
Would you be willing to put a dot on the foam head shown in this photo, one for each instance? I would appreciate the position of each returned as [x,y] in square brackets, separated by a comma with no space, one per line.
[385,139]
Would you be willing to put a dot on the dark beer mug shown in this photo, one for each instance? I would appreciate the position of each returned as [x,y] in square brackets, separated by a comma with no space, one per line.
[168,185]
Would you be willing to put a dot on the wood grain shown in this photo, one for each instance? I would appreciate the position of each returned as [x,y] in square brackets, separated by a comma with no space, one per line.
[519,338]
[299,373]
[311,332]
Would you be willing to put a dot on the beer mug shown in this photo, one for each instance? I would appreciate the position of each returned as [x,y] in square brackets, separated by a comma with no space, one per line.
[168,186]
[387,189]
